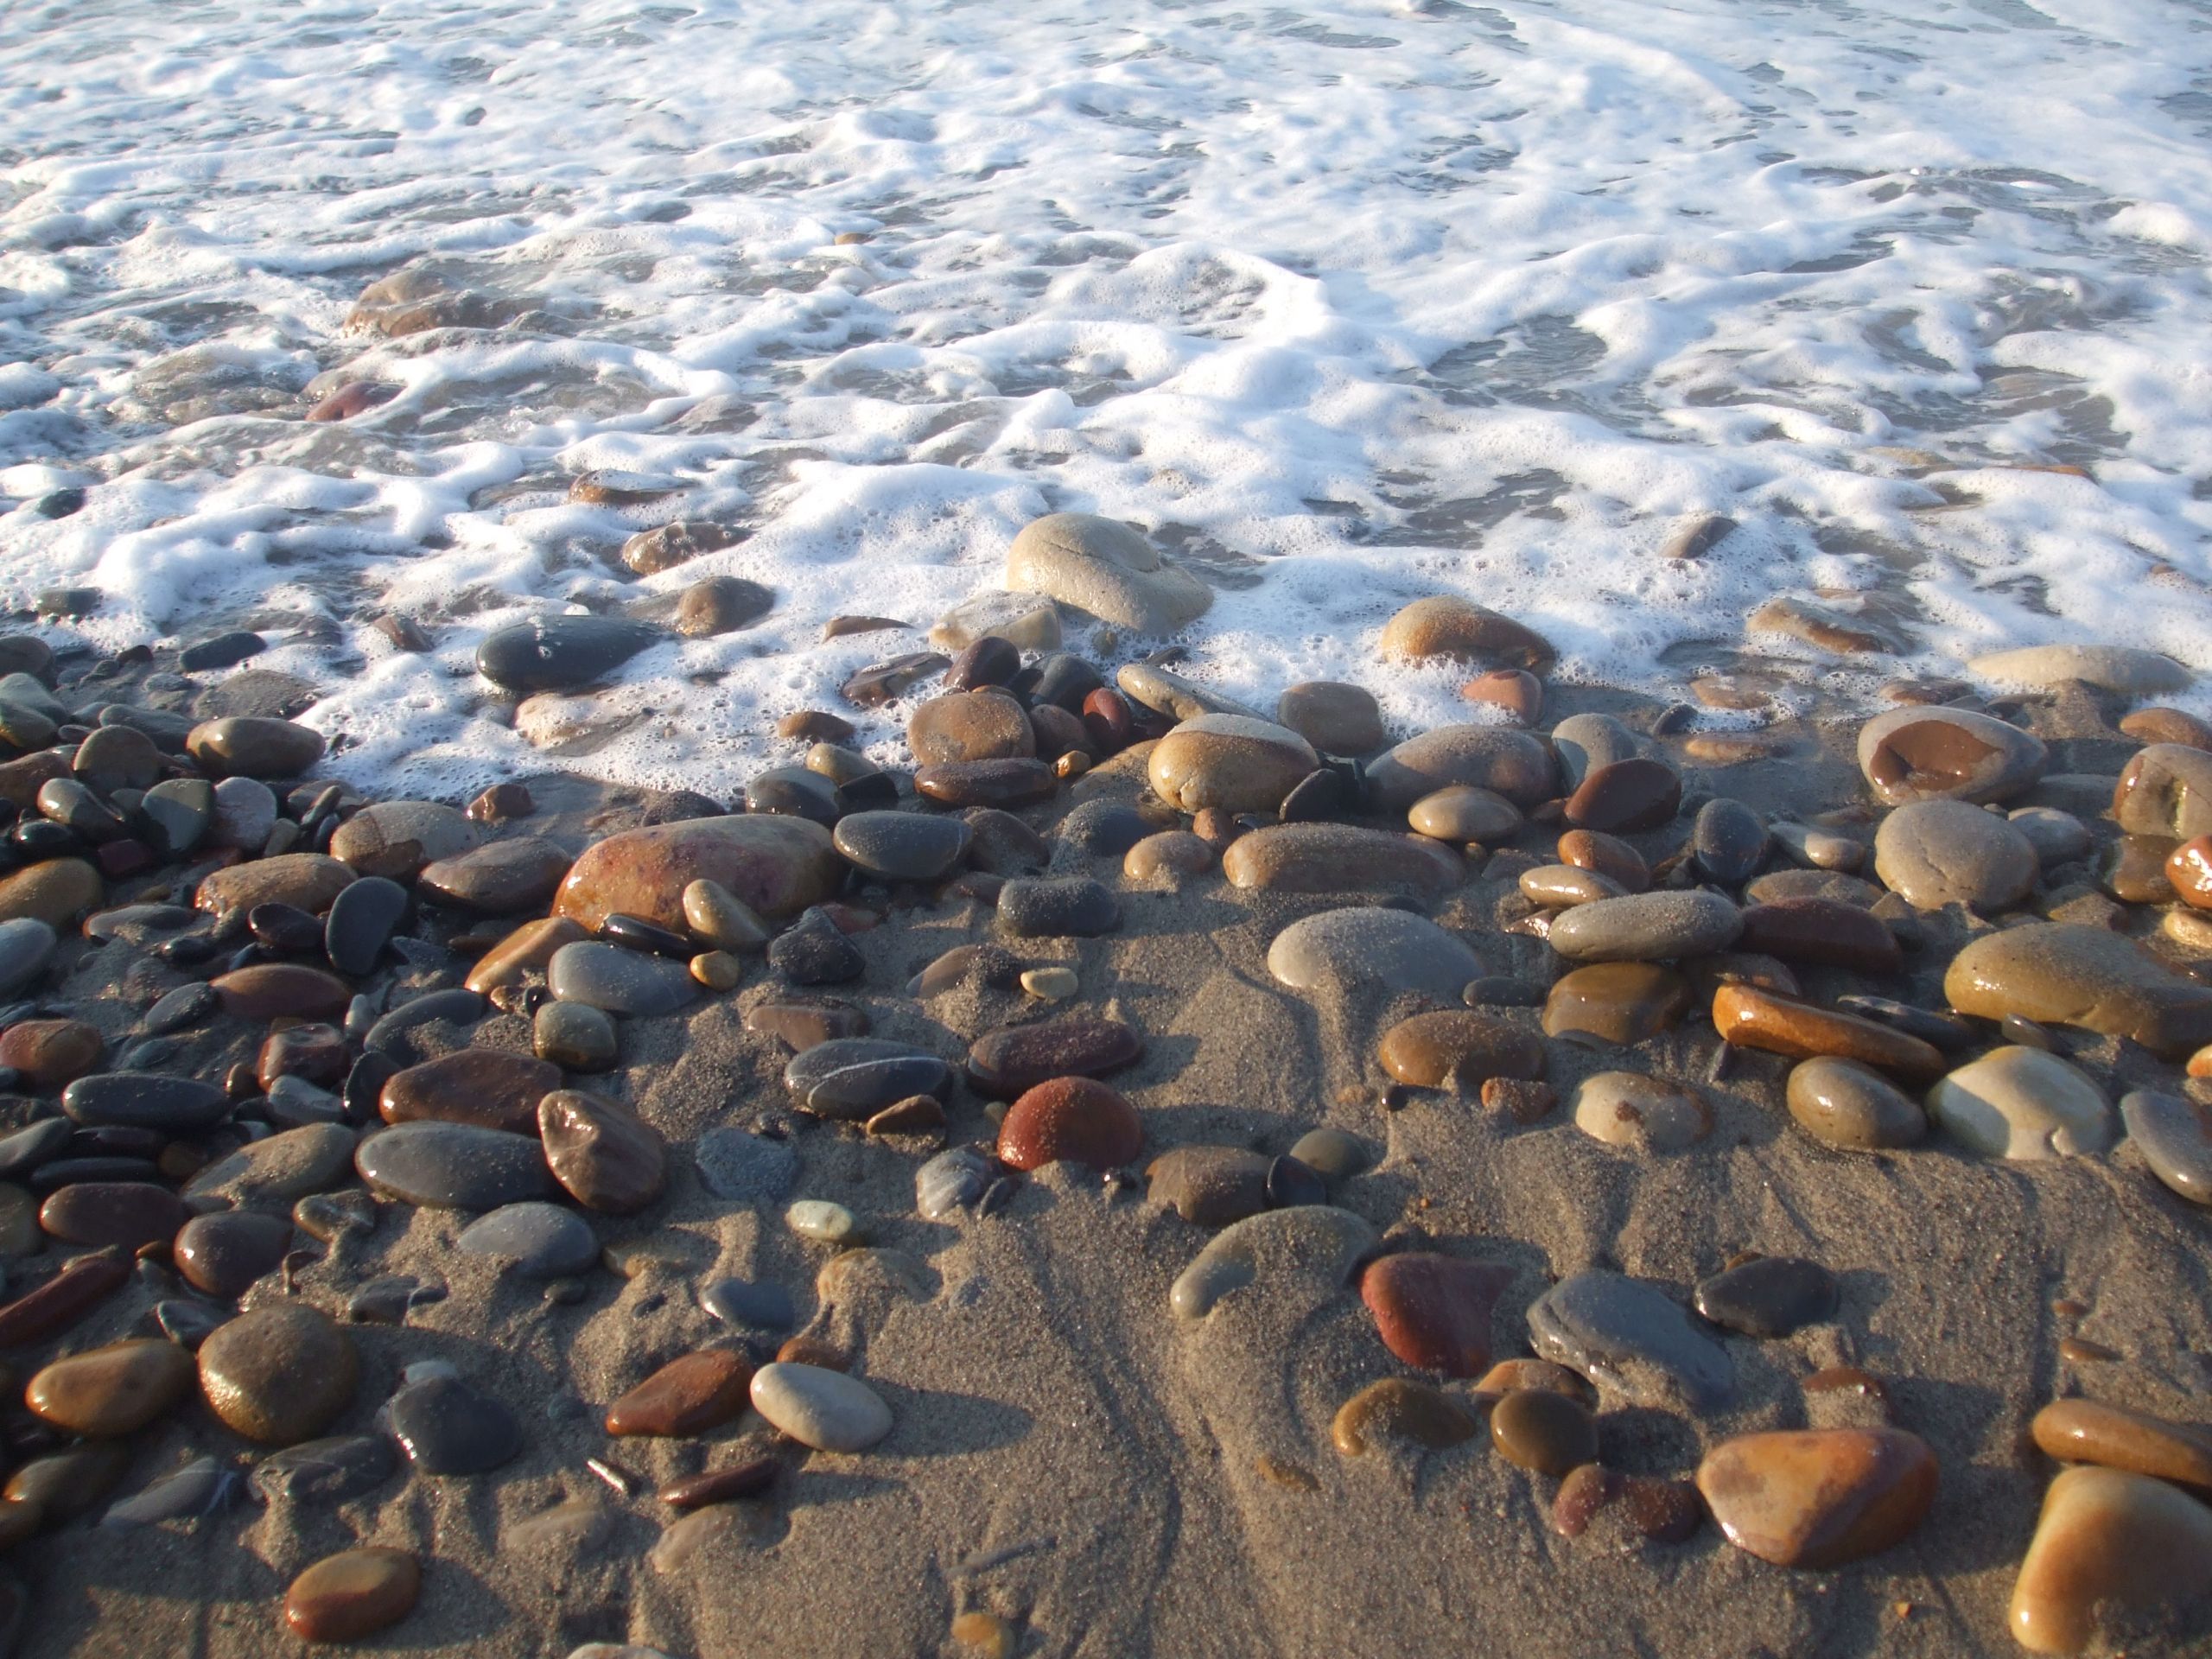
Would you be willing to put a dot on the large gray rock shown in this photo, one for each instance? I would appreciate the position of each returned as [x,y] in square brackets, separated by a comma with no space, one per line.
[1102,565]
[1939,852]
[1341,950]
[2114,668]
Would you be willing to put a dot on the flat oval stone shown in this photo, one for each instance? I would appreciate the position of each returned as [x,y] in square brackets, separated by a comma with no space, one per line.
[280,1374]
[225,1254]
[1648,1115]
[1817,1498]
[27,945]
[1605,855]
[536,1240]
[48,1053]
[1499,759]
[1626,797]
[559,654]
[1561,886]
[110,1391]
[354,1593]
[270,990]
[1398,1409]
[951,1181]
[986,783]
[1460,1051]
[1209,1185]
[1769,1296]
[253,745]
[132,1214]
[2065,974]
[902,846]
[2174,1135]
[397,838]
[1646,927]
[1938,852]
[2021,1104]
[1315,1245]
[1335,718]
[491,1088]
[1433,1311]
[2114,1555]
[327,1472]
[1340,858]
[2083,1431]
[1821,931]
[981,724]
[854,1078]
[452,1165]
[1936,753]
[1341,950]
[800,1021]
[449,1426]
[1073,1118]
[687,1397]
[2124,669]
[523,952]
[620,981]
[603,1155]
[145,1100]
[776,866]
[280,1169]
[499,878]
[1849,1104]
[1011,1061]
[37,1143]
[1623,1002]
[1445,625]
[1463,813]
[1629,1336]
[1537,1429]
[55,892]
[1784,1025]
[825,1409]
[1057,908]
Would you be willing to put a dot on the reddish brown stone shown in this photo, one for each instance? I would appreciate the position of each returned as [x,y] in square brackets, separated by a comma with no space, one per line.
[775,864]
[814,726]
[988,783]
[1823,931]
[269,990]
[2082,1431]
[2158,725]
[132,1214]
[1433,1311]
[21,780]
[1073,1118]
[491,1088]
[225,1254]
[50,1053]
[1780,1025]
[813,1350]
[1010,1062]
[686,1396]
[604,1155]
[111,1391]
[354,1593]
[1608,855]
[501,878]
[501,803]
[1626,796]
[747,1479]
[1515,690]
[313,1052]
[64,1298]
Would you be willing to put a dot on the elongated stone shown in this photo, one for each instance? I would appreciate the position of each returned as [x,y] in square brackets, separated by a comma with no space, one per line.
[145,1100]
[854,1078]
[1009,1061]
[1458,1050]
[2058,973]
[1396,1408]
[1780,1025]
[491,1088]
[775,865]
[820,1407]
[1629,1336]
[687,1397]
[1313,1245]
[452,1165]
[1341,858]
[2083,1431]
[354,1593]
[111,1391]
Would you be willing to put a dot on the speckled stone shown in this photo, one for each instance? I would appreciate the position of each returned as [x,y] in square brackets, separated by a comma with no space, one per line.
[1639,1113]
[1341,950]
[2067,974]
[819,1408]
[280,1374]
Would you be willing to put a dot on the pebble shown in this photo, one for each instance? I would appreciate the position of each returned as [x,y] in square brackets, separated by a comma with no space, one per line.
[689,1396]
[449,1426]
[491,1088]
[110,1391]
[2123,669]
[1822,930]
[1103,566]
[327,1472]
[1340,858]
[1171,854]
[397,838]
[1643,1113]
[988,783]
[1500,759]
[2116,1555]
[773,864]
[224,1255]
[820,1222]
[96,1213]
[1629,1336]
[1316,1243]
[1537,1429]
[820,1407]
[1461,632]
[36,1143]
[603,1155]
[535,1239]
[902,846]
[1331,1154]
[354,1593]
[202,1488]
[985,724]
[882,683]
[1073,1118]
[1235,762]
[619,982]
[362,919]
[55,892]
[523,952]
[1463,814]
[1341,950]
[1955,754]
[1025,621]
[854,1077]
[816,952]
[2174,1135]
[452,1166]
[280,1374]
[1945,852]
[1050,984]
[2022,1104]
[27,945]
[718,917]
[1397,1409]
[559,654]
[1728,841]
[1433,1311]
[1624,797]
[574,1037]
[1010,1061]
[1824,849]
[2114,1437]
[1625,1002]
[739,1301]
[245,815]
[2064,974]
[1335,718]
[1769,1296]
[1850,1105]
[1783,1025]
[1663,1511]
[719,604]
[1209,1185]
[145,1100]
[254,745]
[1817,1498]
[1459,1051]
[951,1181]
[1057,908]
[1647,926]
[743,1167]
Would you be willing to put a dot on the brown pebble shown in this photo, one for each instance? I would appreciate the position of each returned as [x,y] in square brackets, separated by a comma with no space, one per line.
[1523,1101]
[689,1396]
[113,1390]
[502,803]
[1543,1431]
[2082,1350]
[984,1635]
[813,1350]
[50,1053]
[1514,691]
[354,1593]
[1817,1498]
[815,726]
[1508,1374]
[2082,1431]
[1296,1476]
[1847,1379]
[916,1115]
[1400,1409]
[747,1479]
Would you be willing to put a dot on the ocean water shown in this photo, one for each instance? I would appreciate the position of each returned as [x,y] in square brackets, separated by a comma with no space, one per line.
[1345,304]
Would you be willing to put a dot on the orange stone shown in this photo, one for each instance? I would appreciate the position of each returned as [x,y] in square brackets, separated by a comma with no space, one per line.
[2113,1553]
[1433,1311]
[491,1088]
[1818,1497]
[269,989]
[1780,1025]
[354,1593]
[775,865]
[1077,1118]
[50,1053]
[687,1395]
[2082,1431]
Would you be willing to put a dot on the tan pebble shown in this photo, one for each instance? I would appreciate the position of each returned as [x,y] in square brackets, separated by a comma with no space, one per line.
[2114,1554]
[916,1115]
[813,1350]
[112,1390]
[1294,1476]
[1508,1375]
[1732,748]
[2082,1350]
[1073,763]
[985,1635]
[1403,1410]
[1050,985]
[1543,1431]
[1523,1101]
[353,1594]
[717,970]
[2192,930]
[1817,1498]
[2082,1431]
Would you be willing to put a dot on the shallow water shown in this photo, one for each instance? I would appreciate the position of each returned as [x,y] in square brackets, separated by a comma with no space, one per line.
[1347,303]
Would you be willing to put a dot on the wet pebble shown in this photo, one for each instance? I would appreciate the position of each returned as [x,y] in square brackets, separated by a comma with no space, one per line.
[1053,907]
[449,1426]
[354,1593]
[279,1374]
[1629,1336]
[535,1239]
[1817,1498]
[1769,1296]
[822,1408]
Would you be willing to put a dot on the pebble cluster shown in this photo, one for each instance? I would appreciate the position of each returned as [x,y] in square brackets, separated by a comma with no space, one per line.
[1976,955]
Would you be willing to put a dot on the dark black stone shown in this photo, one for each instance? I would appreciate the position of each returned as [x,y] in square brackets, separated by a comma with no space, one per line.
[221,651]
[59,503]
[1065,680]
[1291,1183]
[327,1472]
[70,803]
[188,951]
[1104,828]
[361,922]
[36,840]
[1055,907]
[145,1100]
[988,661]
[638,934]
[169,731]
[448,1426]
[1769,1296]
[1946,1031]
[795,792]
[857,1076]
[872,792]
[389,1035]
[558,653]
[285,928]
[188,1005]
[1728,841]
[1320,794]
[741,1301]
[26,1149]
[815,952]
[1497,991]
[69,1172]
